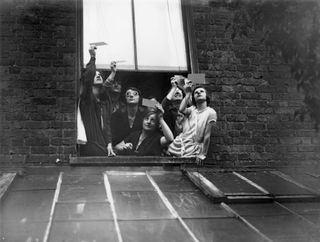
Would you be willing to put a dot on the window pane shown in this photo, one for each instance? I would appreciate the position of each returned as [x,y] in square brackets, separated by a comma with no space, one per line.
[160,36]
[109,21]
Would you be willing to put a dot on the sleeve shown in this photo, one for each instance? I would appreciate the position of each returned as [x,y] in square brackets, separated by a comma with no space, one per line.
[115,127]
[130,138]
[107,123]
[166,104]
[212,116]
[87,77]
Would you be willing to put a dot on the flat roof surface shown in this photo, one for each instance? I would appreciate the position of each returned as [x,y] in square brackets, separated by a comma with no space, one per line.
[160,204]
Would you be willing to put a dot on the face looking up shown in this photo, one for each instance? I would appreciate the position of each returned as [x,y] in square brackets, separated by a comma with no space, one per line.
[116,87]
[200,94]
[98,78]
[177,95]
[132,96]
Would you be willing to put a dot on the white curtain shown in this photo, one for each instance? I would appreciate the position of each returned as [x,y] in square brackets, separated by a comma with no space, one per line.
[109,21]
[159,33]
[160,37]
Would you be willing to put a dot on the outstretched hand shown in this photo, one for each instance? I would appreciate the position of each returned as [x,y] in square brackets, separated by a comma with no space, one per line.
[159,109]
[188,85]
[113,66]
[92,51]
[176,80]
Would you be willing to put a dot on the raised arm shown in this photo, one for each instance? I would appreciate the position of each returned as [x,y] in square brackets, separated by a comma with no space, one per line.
[185,101]
[88,74]
[166,102]
[110,79]
[167,133]
[174,86]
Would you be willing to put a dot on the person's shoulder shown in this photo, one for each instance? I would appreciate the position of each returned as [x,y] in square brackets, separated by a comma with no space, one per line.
[212,114]
[211,110]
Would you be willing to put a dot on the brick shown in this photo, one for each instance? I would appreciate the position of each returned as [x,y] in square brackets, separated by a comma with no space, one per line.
[37,141]
[43,150]
[44,101]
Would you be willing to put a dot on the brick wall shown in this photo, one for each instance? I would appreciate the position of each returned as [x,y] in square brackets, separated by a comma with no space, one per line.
[253,94]
[37,69]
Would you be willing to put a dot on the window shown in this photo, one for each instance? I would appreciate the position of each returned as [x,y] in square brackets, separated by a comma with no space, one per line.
[140,34]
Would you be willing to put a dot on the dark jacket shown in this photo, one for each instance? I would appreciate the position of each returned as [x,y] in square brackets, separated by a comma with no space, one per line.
[96,115]
[120,124]
[150,146]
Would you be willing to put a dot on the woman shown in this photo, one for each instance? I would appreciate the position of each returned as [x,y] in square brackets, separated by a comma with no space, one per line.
[171,104]
[149,141]
[129,118]
[95,110]
[195,139]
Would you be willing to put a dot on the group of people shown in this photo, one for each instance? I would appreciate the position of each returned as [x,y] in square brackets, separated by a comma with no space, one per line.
[178,126]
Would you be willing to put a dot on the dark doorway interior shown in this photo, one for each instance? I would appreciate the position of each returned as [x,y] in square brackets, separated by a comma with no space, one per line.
[150,83]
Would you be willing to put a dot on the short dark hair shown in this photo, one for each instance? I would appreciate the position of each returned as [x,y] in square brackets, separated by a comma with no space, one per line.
[192,96]
[134,89]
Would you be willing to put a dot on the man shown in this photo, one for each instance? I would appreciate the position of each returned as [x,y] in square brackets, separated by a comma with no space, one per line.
[95,108]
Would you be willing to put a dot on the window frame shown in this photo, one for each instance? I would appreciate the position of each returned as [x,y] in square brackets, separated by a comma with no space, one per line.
[190,45]
[189,38]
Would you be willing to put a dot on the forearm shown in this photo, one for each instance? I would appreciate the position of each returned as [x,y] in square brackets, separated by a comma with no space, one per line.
[205,146]
[111,76]
[120,145]
[184,103]
[171,93]
[166,130]
[206,140]
[87,77]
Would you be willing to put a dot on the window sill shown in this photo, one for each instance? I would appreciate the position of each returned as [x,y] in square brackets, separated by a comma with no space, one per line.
[130,160]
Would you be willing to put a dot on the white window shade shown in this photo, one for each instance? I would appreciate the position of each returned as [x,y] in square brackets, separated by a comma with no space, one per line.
[109,21]
[160,36]
[160,43]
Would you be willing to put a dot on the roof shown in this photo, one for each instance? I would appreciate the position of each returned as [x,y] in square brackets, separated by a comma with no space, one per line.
[161,203]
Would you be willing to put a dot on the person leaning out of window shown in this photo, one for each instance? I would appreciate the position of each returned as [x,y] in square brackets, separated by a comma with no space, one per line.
[95,108]
[128,118]
[195,139]
[171,104]
[149,141]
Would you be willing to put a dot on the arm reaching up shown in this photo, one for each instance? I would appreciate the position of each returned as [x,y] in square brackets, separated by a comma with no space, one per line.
[87,76]
[185,101]
[168,136]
